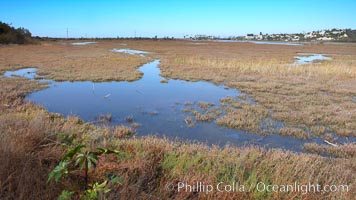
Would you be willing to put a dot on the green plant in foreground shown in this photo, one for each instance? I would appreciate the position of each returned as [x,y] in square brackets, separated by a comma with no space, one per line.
[77,158]
[60,170]
[65,195]
[98,190]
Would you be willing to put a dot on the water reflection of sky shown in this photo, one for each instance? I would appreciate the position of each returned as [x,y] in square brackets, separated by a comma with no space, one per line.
[310,58]
[156,106]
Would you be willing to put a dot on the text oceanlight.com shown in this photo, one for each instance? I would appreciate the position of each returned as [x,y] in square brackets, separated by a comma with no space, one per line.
[259,187]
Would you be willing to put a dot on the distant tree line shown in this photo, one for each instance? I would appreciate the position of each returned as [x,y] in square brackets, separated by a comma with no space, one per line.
[12,35]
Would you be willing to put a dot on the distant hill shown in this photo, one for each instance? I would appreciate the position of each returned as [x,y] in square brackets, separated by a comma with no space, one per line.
[11,35]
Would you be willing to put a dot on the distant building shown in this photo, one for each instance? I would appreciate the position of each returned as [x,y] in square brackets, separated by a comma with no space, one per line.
[295,38]
[322,35]
[325,38]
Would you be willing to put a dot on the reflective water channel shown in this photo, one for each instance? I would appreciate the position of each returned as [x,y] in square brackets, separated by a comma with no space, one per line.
[156,105]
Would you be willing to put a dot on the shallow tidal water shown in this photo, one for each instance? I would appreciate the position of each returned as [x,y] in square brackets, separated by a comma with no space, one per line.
[82,43]
[130,51]
[305,58]
[156,106]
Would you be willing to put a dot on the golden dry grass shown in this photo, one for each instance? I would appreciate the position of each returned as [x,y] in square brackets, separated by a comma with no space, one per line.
[62,61]
[248,118]
[315,96]
[30,136]
[341,151]
[201,111]
[33,141]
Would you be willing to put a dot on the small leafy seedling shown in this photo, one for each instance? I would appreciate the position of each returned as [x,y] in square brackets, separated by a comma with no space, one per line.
[79,158]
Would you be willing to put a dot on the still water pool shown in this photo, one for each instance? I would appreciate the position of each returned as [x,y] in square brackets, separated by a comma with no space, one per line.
[155,105]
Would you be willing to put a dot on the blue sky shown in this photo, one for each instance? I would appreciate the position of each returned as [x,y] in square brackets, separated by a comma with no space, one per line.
[110,18]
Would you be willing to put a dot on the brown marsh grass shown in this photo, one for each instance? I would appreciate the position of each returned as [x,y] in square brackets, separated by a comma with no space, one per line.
[62,61]
[314,95]
[201,112]
[33,140]
[340,151]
